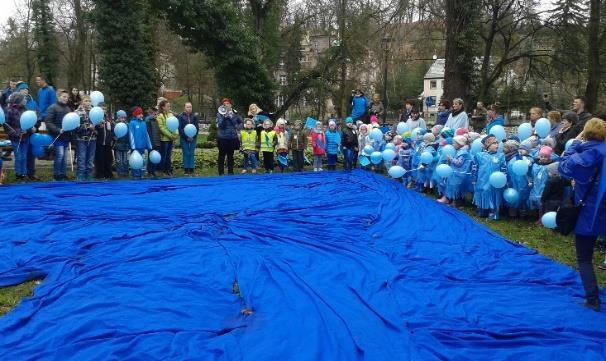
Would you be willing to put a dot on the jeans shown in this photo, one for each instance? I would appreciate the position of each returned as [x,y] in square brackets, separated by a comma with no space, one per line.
[85,150]
[121,162]
[166,151]
[348,158]
[59,163]
[331,160]
[317,161]
[584,247]
[21,149]
[250,159]
[189,151]
[298,157]
[151,167]
[138,173]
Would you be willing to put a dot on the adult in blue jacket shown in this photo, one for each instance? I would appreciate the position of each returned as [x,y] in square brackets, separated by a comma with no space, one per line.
[46,96]
[188,144]
[493,118]
[138,136]
[585,162]
[229,124]
[359,106]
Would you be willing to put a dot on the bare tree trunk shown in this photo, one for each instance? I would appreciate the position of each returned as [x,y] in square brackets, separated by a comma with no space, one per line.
[342,108]
[596,44]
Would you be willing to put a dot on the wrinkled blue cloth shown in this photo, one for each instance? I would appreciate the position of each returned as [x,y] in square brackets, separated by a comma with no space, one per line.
[145,270]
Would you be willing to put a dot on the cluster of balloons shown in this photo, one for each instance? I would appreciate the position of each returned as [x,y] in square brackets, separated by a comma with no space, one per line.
[135,160]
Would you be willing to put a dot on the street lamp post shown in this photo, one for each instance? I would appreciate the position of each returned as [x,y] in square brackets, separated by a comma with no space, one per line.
[385,42]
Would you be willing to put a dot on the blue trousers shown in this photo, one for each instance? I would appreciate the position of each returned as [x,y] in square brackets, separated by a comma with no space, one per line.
[250,159]
[121,157]
[59,167]
[21,150]
[189,151]
[584,246]
[85,149]
[166,151]
[348,158]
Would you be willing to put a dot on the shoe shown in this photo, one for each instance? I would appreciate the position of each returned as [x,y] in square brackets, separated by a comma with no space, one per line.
[254,171]
[33,178]
[320,169]
[602,266]
[593,305]
[243,171]
[315,169]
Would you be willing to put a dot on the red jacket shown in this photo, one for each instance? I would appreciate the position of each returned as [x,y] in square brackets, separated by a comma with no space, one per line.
[318,142]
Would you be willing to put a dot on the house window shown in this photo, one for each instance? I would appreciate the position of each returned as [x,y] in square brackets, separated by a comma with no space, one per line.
[442,82]
[283,80]
[433,84]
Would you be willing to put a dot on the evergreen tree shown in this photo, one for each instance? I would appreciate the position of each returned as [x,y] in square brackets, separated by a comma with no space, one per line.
[44,35]
[125,47]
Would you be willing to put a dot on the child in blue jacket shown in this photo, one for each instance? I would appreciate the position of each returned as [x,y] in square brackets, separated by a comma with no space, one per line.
[521,183]
[456,184]
[540,175]
[138,136]
[333,144]
[487,198]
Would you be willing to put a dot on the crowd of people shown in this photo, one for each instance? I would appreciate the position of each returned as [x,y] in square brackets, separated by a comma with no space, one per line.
[456,158]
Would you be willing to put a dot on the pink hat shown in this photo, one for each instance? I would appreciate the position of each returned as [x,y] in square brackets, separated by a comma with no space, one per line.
[462,131]
[374,119]
[546,151]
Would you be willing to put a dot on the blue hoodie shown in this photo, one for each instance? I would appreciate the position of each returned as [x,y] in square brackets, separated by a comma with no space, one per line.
[137,133]
[46,98]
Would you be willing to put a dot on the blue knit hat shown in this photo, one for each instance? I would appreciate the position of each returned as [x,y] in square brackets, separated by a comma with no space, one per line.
[121,114]
[22,85]
[349,120]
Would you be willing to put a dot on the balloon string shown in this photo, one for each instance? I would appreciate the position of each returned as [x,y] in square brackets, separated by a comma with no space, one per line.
[55,140]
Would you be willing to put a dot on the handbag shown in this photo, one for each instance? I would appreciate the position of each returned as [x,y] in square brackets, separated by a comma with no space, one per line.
[567,216]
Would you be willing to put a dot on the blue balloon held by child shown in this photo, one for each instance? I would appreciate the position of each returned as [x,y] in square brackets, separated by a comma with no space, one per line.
[155,157]
[476,147]
[524,131]
[96,115]
[41,140]
[135,161]
[376,157]
[70,121]
[444,171]
[520,167]
[426,157]
[543,127]
[28,119]
[120,130]
[449,150]
[402,127]
[368,150]
[498,131]
[511,196]
[390,146]
[363,160]
[172,123]
[190,130]
[498,179]
[376,134]
[388,155]
[396,171]
[38,151]
[549,220]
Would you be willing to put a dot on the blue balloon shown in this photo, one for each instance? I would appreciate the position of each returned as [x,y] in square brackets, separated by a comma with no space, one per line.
[524,131]
[476,147]
[497,179]
[402,127]
[498,131]
[390,146]
[172,123]
[449,150]
[2,116]
[96,98]
[135,161]
[389,155]
[376,157]
[28,119]
[155,157]
[426,157]
[96,115]
[501,147]
[569,143]
[520,167]
[396,171]
[38,151]
[120,130]
[190,130]
[549,220]
[543,127]
[41,140]
[415,133]
[511,196]
[368,150]
[363,160]
[444,170]
[70,121]
[376,134]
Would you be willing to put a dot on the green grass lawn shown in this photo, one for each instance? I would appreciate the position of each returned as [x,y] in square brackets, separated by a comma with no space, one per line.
[549,243]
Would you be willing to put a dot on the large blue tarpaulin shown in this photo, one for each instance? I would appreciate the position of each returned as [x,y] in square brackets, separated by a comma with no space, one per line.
[331,266]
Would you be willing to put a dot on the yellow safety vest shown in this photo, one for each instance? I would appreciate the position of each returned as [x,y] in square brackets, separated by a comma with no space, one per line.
[267,140]
[249,139]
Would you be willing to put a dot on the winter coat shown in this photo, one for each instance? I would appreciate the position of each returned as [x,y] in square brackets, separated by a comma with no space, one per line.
[137,135]
[333,141]
[562,138]
[228,126]
[376,109]
[47,97]
[122,144]
[298,140]
[153,129]
[105,132]
[12,125]
[281,140]
[349,138]
[485,195]
[358,107]
[540,175]
[54,121]
[84,132]
[580,162]
[165,134]
[318,142]
[185,119]
[554,193]
[443,117]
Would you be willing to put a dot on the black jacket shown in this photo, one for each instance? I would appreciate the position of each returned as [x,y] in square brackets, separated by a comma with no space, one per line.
[349,138]
[54,120]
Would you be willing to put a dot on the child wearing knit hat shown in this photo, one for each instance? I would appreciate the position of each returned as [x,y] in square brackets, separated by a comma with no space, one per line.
[520,182]
[425,170]
[487,198]
[540,175]
[456,184]
[333,144]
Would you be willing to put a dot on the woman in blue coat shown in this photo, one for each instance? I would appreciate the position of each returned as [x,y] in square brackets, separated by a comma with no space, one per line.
[359,106]
[585,162]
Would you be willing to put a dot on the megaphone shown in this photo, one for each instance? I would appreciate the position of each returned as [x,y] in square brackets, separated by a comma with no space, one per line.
[222,110]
